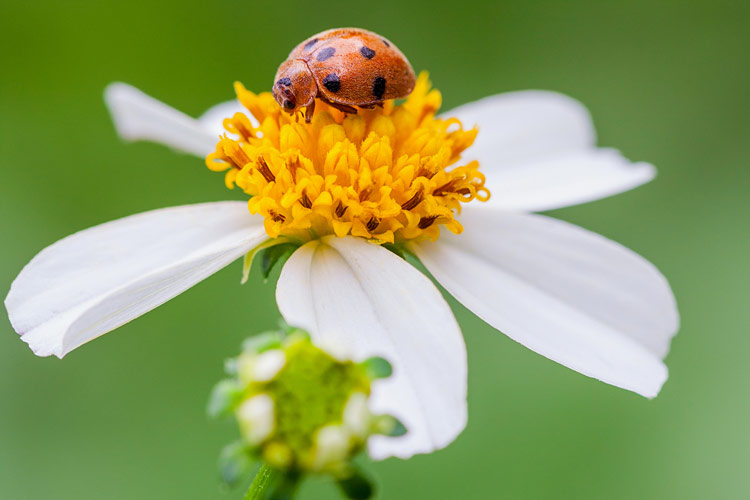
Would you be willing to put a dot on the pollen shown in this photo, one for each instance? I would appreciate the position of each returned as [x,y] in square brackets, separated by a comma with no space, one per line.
[389,174]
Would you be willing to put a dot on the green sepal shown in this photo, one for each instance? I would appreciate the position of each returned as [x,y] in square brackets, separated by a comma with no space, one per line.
[230,367]
[389,426]
[262,342]
[295,334]
[377,367]
[397,248]
[292,331]
[356,486]
[284,326]
[224,397]
[273,255]
[235,462]
[247,261]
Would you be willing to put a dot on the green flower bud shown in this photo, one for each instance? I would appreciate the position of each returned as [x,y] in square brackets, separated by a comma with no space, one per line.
[300,409]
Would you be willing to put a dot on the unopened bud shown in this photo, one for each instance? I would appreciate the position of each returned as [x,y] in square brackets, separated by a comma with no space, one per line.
[299,408]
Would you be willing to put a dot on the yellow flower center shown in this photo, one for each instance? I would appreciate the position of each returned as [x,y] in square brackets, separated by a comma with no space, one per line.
[389,174]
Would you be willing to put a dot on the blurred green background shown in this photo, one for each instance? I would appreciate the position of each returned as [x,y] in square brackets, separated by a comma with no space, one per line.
[123,417]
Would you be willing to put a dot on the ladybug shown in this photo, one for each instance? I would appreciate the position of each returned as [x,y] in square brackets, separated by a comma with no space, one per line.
[344,67]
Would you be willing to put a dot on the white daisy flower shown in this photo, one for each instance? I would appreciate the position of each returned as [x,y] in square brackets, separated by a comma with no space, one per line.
[349,190]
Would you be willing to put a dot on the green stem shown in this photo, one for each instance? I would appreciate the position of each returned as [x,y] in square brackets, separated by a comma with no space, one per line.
[263,479]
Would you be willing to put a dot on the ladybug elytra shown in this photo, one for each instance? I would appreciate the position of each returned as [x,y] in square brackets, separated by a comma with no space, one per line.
[344,67]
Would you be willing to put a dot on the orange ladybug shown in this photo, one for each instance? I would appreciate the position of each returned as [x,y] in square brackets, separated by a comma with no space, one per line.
[344,67]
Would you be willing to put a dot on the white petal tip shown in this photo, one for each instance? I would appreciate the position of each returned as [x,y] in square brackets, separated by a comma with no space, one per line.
[119,98]
[101,278]
[138,116]
[42,347]
[642,172]
[568,294]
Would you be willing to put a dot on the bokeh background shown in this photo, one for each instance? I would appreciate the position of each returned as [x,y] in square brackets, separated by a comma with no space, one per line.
[123,417]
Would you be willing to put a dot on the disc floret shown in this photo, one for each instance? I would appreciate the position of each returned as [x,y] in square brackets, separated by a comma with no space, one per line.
[389,174]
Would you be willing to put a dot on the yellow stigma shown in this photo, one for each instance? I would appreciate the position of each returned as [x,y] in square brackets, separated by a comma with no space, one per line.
[390,174]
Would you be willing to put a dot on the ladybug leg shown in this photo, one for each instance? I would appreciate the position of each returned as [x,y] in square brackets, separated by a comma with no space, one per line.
[371,105]
[309,111]
[344,107]
[341,107]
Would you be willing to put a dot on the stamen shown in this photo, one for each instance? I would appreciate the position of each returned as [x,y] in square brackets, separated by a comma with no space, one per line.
[305,201]
[426,222]
[413,201]
[264,170]
[372,224]
[293,166]
[340,210]
[425,172]
[245,132]
[444,189]
[240,125]
[237,155]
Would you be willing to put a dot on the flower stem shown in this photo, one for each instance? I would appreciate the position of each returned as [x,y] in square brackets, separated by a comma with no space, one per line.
[265,477]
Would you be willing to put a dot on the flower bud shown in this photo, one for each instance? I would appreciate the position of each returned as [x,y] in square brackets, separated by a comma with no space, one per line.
[299,408]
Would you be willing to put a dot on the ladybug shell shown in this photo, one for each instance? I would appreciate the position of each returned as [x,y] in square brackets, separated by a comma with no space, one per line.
[356,67]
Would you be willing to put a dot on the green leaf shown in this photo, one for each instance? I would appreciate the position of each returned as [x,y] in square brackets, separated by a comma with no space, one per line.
[277,254]
[356,486]
[224,397]
[235,462]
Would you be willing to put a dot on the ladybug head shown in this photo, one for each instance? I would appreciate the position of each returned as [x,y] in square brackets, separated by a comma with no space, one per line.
[295,86]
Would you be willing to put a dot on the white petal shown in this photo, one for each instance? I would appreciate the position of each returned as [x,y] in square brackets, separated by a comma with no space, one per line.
[138,116]
[537,150]
[358,294]
[519,126]
[213,118]
[565,180]
[98,279]
[568,294]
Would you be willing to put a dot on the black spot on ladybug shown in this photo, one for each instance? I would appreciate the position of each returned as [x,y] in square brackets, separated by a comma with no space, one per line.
[332,83]
[386,42]
[325,54]
[310,44]
[284,81]
[288,104]
[378,87]
[367,52]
